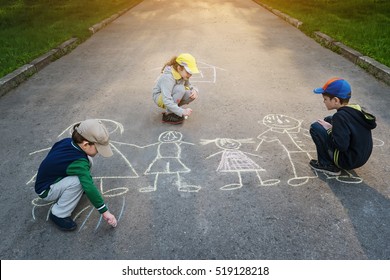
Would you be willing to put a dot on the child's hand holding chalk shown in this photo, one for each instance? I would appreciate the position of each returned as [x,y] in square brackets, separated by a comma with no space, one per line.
[110,219]
[187,112]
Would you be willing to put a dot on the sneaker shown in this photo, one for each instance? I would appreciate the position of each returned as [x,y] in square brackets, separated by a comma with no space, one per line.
[328,169]
[66,224]
[172,118]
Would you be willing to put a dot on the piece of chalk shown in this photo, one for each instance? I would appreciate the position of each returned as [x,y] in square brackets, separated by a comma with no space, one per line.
[185,117]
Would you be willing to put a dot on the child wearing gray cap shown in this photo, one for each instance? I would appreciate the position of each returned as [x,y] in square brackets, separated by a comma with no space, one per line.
[64,175]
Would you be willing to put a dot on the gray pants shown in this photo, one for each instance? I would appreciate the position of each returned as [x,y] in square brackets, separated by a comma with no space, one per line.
[67,194]
[181,95]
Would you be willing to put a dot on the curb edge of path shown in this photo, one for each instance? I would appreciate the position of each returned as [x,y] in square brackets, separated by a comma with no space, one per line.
[15,78]
[23,73]
[376,69]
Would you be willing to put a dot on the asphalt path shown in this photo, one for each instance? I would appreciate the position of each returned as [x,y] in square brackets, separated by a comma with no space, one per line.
[256,71]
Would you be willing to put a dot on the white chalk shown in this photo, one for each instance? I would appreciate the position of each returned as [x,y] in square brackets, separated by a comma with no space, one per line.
[185,117]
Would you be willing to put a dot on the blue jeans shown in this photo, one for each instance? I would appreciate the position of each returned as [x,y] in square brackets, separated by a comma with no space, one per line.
[322,140]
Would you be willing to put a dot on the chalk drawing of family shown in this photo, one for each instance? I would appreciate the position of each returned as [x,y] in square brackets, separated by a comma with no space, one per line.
[283,131]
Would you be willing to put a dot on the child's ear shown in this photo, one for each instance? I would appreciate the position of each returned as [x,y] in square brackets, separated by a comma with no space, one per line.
[84,143]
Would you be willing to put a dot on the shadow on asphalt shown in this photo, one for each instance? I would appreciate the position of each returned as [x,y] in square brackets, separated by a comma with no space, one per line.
[369,213]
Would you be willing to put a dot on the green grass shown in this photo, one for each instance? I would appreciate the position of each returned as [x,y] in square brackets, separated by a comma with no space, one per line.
[30,28]
[363,25]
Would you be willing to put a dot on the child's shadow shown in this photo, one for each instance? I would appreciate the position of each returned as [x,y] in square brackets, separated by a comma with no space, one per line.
[369,213]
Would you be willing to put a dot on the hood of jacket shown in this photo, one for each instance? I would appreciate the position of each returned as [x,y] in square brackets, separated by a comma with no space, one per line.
[171,70]
[366,119]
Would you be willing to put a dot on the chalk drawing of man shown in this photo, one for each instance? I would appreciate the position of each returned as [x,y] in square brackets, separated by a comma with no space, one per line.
[287,132]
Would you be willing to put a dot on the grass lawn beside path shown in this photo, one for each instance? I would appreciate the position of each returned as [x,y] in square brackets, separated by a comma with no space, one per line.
[28,29]
[363,25]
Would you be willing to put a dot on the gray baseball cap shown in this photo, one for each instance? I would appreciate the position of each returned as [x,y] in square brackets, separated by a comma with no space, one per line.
[94,131]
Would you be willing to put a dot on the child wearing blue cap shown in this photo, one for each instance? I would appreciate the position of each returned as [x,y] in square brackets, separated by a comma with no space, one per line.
[344,140]
[173,88]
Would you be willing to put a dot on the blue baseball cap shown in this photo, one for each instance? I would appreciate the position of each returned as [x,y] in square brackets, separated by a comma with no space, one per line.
[337,87]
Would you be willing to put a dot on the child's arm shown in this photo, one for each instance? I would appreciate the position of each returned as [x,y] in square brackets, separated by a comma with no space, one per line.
[194,90]
[81,168]
[166,86]
[194,93]
[214,154]
[325,124]
[187,111]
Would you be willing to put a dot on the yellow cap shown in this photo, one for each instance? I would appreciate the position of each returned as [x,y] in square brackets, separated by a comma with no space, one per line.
[188,62]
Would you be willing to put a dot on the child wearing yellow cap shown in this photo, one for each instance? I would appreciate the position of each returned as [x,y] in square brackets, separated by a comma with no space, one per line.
[173,88]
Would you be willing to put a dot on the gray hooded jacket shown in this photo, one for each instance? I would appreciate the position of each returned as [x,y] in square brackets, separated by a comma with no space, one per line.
[165,84]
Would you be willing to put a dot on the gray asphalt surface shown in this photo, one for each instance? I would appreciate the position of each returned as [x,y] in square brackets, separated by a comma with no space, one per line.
[254,67]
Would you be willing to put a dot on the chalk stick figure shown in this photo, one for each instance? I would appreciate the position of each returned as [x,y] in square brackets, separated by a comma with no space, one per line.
[168,161]
[235,161]
[287,132]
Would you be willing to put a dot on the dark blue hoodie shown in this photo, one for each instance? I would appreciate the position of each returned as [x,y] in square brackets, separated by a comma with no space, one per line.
[351,136]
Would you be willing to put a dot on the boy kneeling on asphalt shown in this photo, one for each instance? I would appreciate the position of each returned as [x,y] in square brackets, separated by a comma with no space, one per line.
[64,175]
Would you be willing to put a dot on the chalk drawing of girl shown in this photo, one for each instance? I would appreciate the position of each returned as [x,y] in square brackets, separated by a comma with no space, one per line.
[168,161]
[236,161]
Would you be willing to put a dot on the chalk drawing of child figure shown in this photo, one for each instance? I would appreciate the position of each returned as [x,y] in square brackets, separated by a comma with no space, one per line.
[168,161]
[234,160]
[124,168]
[287,132]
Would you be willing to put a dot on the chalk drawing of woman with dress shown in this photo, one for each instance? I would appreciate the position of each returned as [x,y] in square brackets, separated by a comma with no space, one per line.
[236,161]
[168,161]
